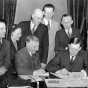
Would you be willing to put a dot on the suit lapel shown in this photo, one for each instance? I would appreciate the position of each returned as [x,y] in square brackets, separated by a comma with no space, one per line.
[29,28]
[37,29]
[66,58]
[77,57]
[12,45]
[26,52]
[66,36]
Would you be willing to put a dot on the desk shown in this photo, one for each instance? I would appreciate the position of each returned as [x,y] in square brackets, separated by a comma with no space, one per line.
[66,83]
[16,82]
[50,82]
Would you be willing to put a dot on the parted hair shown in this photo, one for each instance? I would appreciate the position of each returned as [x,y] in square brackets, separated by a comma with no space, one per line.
[64,15]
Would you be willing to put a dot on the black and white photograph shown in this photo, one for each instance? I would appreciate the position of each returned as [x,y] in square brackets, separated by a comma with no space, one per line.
[43,43]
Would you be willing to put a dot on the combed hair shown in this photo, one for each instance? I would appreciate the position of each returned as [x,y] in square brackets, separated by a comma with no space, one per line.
[75,40]
[48,5]
[64,15]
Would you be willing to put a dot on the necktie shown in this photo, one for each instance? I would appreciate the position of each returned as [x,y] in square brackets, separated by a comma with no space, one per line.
[15,44]
[68,34]
[48,25]
[72,59]
[33,30]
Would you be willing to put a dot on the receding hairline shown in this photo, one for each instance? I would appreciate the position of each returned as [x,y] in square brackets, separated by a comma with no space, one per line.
[37,13]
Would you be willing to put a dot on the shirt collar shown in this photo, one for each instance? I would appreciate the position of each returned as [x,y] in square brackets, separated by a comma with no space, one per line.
[45,21]
[32,25]
[70,31]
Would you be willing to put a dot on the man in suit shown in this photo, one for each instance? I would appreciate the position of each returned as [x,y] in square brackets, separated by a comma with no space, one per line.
[74,60]
[67,31]
[4,52]
[27,59]
[52,25]
[35,27]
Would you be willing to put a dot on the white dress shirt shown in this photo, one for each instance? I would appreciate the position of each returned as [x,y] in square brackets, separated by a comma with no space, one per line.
[72,58]
[68,31]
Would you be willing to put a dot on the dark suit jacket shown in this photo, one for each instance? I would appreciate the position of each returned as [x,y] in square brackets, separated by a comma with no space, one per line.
[62,39]
[5,53]
[13,51]
[42,33]
[26,64]
[62,60]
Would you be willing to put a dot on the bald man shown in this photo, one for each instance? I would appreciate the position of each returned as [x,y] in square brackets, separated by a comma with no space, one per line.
[36,28]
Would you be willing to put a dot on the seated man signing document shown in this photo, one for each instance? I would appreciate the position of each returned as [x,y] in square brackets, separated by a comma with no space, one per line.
[75,60]
[27,59]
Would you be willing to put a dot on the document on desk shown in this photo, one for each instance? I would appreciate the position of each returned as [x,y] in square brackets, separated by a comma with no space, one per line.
[72,75]
[66,83]
[72,80]
[21,87]
[59,75]
[40,72]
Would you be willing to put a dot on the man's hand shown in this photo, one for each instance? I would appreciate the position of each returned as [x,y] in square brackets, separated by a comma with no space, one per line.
[43,65]
[2,70]
[25,77]
[83,74]
[63,72]
[39,72]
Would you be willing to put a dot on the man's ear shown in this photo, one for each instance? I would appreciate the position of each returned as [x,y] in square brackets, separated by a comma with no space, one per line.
[33,15]
[72,22]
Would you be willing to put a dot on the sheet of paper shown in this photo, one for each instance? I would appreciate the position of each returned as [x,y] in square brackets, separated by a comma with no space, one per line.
[21,87]
[66,83]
